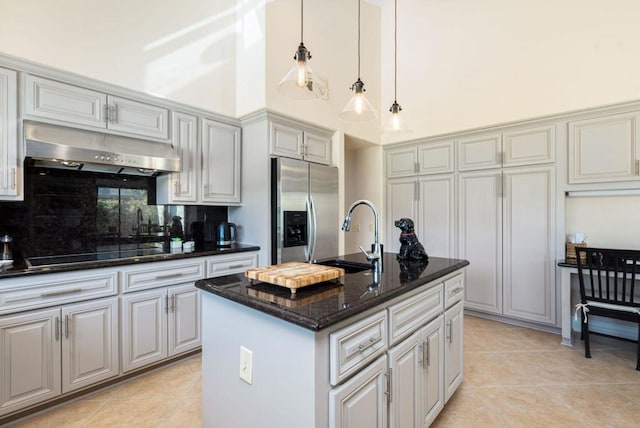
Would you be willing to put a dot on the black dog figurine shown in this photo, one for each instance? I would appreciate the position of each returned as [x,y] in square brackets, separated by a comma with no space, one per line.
[410,247]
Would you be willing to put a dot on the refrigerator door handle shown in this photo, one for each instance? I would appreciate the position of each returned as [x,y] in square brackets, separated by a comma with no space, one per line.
[314,230]
[307,248]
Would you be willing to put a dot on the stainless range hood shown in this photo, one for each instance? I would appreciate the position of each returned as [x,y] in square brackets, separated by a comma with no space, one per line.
[56,146]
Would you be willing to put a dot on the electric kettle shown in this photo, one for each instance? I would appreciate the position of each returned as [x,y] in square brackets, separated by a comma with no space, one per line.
[226,233]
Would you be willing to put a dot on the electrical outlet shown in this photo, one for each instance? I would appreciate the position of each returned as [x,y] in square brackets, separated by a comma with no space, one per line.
[246,364]
[370,227]
[356,227]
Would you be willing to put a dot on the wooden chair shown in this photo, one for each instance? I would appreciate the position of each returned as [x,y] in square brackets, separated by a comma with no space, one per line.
[608,287]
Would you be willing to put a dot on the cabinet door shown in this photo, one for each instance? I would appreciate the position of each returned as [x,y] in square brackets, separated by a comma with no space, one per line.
[90,351]
[138,118]
[285,140]
[405,362]
[317,148]
[182,186]
[479,152]
[58,101]
[436,215]
[604,149]
[401,162]
[453,358]
[401,202]
[529,146]
[432,367]
[144,328]
[221,163]
[361,401]
[30,358]
[436,158]
[184,319]
[529,236]
[480,238]
[10,162]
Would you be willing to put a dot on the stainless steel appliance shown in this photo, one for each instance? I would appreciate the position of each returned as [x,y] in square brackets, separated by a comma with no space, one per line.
[304,201]
[226,234]
[56,146]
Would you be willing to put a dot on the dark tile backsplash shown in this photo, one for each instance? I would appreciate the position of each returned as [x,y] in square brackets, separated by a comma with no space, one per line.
[66,212]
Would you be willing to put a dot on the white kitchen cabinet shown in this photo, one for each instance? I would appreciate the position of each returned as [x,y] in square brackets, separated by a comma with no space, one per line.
[361,401]
[528,244]
[182,187]
[604,149]
[417,377]
[53,351]
[293,140]
[158,324]
[221,163]
[61,102]
[10,153]
[507,227]
[421,159]
[480,152]
[480,238]
[430,202]
[453,349]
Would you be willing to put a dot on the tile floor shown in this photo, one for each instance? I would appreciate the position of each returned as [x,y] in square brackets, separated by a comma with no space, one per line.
[514,377]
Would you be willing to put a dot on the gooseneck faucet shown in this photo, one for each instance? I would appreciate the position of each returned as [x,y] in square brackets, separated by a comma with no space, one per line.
[376,256]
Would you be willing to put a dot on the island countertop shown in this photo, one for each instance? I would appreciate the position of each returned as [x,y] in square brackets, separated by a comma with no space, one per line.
[321,305]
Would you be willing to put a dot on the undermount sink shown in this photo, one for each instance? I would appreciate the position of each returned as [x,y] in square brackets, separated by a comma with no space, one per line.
[349,267]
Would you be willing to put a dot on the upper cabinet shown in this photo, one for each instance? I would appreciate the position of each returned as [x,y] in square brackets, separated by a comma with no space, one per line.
[422,159]
[62,102]
[210,163]
[522,146]
[299,142]
[10,156]
[604,149]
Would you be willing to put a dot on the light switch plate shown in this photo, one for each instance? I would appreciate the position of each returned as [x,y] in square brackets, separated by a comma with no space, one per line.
[246,364]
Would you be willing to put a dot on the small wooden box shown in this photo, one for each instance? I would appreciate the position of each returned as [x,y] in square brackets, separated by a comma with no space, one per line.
[571,252]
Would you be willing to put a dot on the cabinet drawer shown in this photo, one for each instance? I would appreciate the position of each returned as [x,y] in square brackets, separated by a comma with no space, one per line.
[405,317]
[231,263]
[453,290]
[355,346]
[153,275]
[20,294]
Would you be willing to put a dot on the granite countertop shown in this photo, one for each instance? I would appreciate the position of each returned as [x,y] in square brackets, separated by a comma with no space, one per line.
[321,305]
[20,267]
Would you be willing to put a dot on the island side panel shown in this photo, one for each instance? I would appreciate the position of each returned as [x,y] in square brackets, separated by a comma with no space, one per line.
[282,392]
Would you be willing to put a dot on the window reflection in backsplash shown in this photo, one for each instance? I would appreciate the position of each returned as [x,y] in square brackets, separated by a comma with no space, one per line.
[66,212]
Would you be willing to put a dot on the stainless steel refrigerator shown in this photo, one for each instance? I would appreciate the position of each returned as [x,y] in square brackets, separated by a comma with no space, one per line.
[304,211]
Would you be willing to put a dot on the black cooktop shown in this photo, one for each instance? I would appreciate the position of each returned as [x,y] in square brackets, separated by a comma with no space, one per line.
[102,252]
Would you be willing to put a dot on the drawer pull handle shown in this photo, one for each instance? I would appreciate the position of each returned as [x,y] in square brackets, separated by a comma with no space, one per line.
[235,266]
[61,293]
[456,290]
[170,275]
[372,341]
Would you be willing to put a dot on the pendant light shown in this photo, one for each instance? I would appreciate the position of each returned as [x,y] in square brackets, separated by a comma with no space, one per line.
[358,109]
[395,125]
[300,83]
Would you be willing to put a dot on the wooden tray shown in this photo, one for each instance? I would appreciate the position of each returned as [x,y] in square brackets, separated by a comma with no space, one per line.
[294,275]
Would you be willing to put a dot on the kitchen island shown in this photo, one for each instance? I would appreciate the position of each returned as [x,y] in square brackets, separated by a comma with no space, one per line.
[349,353]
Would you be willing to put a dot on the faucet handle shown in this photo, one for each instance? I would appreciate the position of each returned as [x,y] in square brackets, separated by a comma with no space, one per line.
[369,256]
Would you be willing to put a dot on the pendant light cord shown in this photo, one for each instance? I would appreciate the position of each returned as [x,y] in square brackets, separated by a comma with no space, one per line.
[395,52]
[301,20]
[358,39]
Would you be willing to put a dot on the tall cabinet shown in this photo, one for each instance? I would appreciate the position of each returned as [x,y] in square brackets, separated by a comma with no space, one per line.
[506,222]
[10,157]
[421,186]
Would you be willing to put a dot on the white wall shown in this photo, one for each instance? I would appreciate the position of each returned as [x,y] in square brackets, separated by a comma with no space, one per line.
[183,51]
[469,63]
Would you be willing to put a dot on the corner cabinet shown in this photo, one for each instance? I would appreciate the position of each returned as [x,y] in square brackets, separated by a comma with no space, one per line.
[604,149]
[293,140]
[210,163]
[10,153]
[61,102]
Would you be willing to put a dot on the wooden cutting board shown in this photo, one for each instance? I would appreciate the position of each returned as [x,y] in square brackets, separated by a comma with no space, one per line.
[294,275]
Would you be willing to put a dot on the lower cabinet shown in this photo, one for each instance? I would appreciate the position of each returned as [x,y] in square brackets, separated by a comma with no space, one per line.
[53,351]
[158,324]
[453,347]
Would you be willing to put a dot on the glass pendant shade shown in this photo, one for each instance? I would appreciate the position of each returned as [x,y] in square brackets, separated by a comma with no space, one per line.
[396,124]
[300,83]
[358,109]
